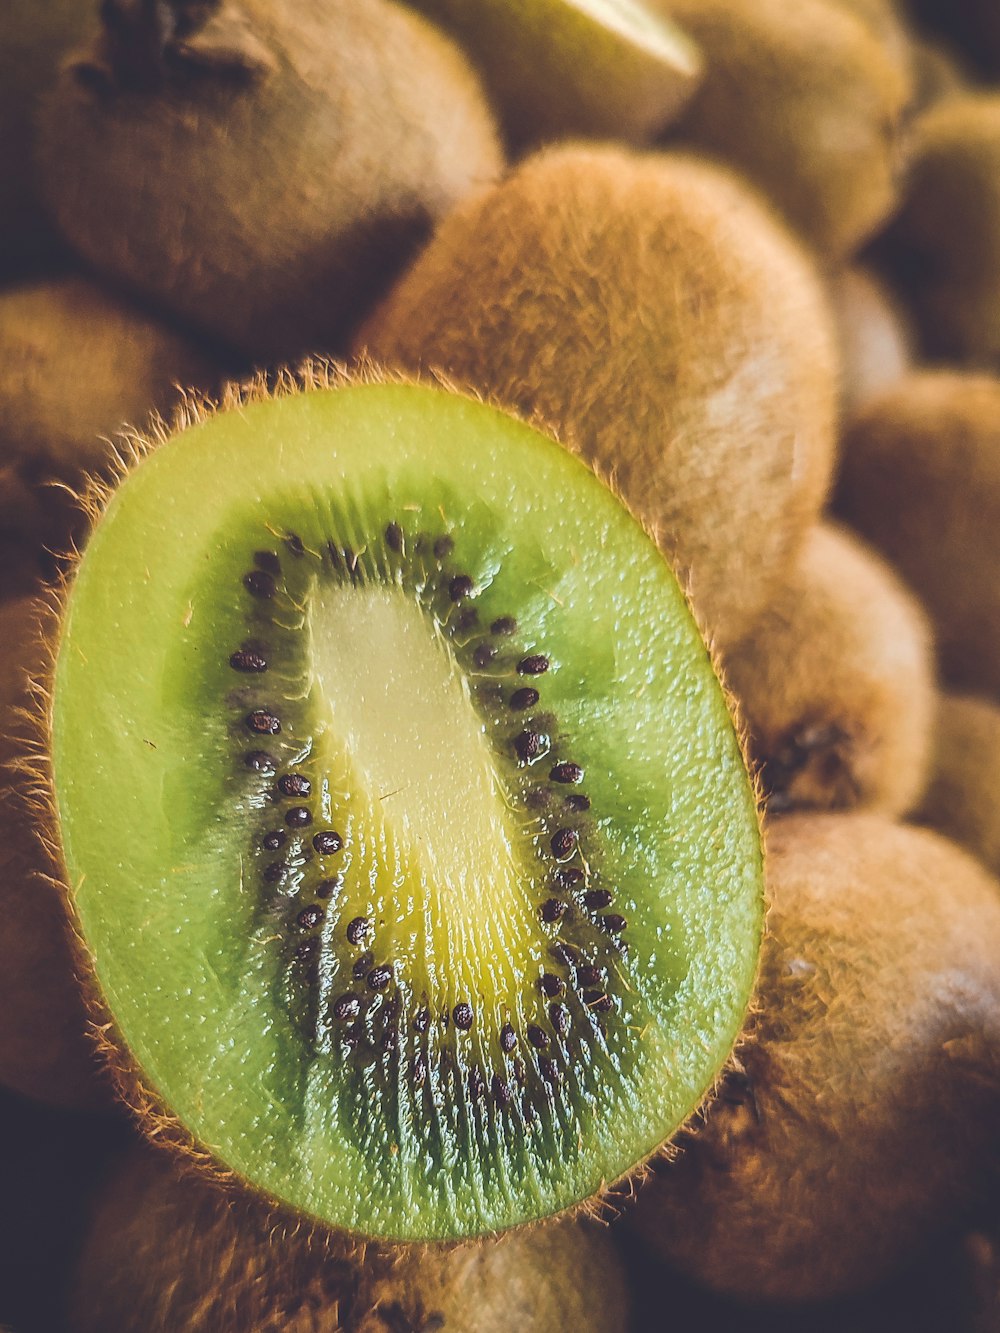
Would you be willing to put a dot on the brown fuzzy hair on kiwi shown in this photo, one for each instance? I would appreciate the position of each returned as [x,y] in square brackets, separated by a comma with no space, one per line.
[261,169]
[837,683]
[808,103]
[876,342]
[864,1121]
[45,1049]
[920,479]
[943,249]
[77,364]
[167,1251]
[963,797]
[651,311]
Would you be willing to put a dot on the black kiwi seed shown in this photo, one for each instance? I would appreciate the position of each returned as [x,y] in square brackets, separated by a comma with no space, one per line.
[598,1001]
[504,625]
[346,1007]
[530,745]
[298,816]
[567,773]
[568,877]
[597,899]
[562,953]
[460,587]
[500,1090]
[327,887]
[394,537]
[463,1016]
[250,663]
[613,923]
[259,761]
[508,1039]
[263,723]
[577,801]
[553,909]
[551,984]
[443,547]
[549,1071]
[327,842]
[295,544]
[268,561]
[484,655]
[563,842]
[362,966]
[358,929]
[275,872]
[538,1037]
[559,1017]
[379,977]
[294,784]
[524,698]
[259,583]
[527,1110]
[310,916]
[590,976]
[273,840]
[534,665]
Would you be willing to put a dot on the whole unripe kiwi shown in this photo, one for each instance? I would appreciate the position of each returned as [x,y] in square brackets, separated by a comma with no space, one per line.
[920,479]
[262,169]
[166,1250]
[656,314]
[77,365]
[837,683]
[864,1120]
[806,101]
[944,247]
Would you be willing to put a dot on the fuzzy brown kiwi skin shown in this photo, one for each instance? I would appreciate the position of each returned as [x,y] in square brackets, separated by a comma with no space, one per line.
[920,479]
[263,169]
[876,341]
[837,683]
[167,1250]
[77,364]
[949,271]
[863,1123]
[778,78]
[653,314]
[962,799]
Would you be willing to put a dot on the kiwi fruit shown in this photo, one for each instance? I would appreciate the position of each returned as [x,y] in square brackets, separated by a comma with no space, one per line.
[920,479]
[963,797]
[971,26]
[836,683]
[876,342]
[943,250]
[36,36]
[597,68]
[806,101]
[77,364]
[261,167]
[662,321]
[863,1120]
[165,1250]
[418,975]
[45,1051]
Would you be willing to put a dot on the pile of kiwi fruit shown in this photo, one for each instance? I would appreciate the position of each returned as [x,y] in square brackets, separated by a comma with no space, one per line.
[499,624]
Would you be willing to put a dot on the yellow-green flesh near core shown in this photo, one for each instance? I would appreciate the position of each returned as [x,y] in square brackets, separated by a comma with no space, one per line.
[402,809]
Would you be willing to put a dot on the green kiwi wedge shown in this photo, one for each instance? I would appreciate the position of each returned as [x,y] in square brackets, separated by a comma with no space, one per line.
[406,827]
[261,168]
[920,479]
[837,683]
[165,1250]
[943,250]
[862,1125]
[654,312]
[806,101]
[963,797]
[595,68]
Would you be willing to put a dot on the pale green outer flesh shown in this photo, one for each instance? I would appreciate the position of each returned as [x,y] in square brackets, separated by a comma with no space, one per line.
[154,857]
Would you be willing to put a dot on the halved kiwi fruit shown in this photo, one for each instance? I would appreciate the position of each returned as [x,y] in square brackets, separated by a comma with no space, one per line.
[405,822]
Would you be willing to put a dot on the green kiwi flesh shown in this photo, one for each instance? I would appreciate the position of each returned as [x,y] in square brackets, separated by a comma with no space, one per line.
[403,815]
[591,67]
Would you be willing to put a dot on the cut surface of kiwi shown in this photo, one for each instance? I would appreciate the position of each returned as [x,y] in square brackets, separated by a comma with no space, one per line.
[405,821]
